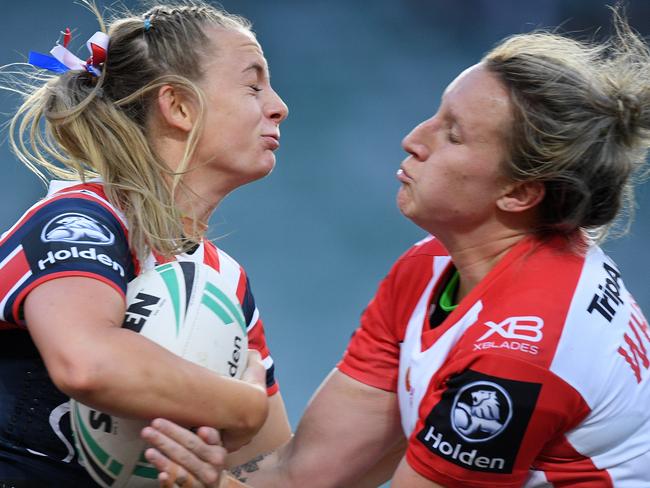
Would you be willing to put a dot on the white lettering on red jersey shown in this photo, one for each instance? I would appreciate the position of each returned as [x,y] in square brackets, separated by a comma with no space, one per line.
[538,378]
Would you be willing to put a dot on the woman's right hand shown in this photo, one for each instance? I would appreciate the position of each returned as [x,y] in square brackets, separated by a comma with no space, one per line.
[184,458]
[197,459]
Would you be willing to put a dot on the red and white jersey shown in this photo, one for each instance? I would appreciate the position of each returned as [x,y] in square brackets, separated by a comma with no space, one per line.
[539,377]
[74,231]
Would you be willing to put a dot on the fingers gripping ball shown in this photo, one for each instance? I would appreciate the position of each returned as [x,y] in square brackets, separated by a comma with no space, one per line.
[193,311]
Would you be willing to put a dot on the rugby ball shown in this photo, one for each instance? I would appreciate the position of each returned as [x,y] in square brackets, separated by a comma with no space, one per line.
[190,309]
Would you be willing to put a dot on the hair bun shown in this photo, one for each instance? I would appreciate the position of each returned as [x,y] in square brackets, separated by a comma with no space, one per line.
[628,110]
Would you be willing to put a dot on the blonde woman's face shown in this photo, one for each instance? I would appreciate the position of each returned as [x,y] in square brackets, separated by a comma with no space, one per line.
[243,112]
[453,174]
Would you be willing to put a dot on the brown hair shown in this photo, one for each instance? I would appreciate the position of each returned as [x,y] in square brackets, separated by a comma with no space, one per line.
[77,126]
[582,122]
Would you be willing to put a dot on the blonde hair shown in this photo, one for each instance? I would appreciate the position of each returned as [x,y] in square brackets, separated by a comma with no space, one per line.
[582,122]
[77,126]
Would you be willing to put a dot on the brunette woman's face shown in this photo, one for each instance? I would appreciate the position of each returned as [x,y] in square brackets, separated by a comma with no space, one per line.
[243,113]
[453,175]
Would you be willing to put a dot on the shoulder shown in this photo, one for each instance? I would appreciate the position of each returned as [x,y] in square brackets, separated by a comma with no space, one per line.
[68,233]
[79,214]
[565,312]
[92,192]
[525,303]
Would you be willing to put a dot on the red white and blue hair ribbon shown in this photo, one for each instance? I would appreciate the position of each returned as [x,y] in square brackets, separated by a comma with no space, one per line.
[62,60]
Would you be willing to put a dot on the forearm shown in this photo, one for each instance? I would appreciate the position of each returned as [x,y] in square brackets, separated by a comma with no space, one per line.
[383,469]
[275,433]
[266,470]
[346,428]
[127,375]
[75,323]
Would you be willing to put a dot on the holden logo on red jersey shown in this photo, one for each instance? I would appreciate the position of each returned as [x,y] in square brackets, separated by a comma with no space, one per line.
[481,411]
[527,328]
[78,228]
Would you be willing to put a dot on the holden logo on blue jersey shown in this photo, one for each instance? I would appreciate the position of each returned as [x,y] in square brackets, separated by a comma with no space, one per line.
[78,228]
[481,411]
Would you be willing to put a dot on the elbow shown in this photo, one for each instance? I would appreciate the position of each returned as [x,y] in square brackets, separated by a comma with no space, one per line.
[78,378]
[252,418]
[247,421]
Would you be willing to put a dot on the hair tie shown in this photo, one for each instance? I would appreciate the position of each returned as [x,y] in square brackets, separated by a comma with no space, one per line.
[621,107]
[628,111]
[147,24]
[62,60]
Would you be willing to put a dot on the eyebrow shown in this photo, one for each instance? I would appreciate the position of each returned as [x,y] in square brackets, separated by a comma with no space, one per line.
[260,69]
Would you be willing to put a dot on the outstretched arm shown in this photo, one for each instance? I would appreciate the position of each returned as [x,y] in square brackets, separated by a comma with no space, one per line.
[346,427]
[384,468]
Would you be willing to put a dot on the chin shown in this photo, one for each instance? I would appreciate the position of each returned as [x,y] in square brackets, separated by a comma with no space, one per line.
[259,173]
[402,202]
[267,165]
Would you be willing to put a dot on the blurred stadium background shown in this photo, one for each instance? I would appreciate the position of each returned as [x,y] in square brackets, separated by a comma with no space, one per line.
[318,234]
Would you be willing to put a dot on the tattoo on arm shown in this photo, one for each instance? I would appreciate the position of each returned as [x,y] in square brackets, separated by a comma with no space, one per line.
[249,467]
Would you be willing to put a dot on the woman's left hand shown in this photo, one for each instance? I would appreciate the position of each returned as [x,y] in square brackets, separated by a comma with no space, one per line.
[184,458]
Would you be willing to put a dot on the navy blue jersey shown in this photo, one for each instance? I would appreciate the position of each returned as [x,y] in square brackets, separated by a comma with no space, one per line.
[67,234]
[74,231]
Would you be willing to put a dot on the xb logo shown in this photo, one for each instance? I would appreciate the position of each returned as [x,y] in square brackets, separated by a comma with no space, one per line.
[522,328]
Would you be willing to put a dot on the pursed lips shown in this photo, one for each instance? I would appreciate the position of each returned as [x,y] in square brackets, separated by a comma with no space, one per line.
[272,141]
[403,176]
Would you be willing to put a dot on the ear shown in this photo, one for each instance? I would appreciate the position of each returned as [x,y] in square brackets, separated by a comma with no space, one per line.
[175,108]
[521,195]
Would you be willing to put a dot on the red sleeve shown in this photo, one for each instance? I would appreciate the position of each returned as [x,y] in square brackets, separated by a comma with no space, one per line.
[372,356]
[484,421]
[255,327]
[257,341]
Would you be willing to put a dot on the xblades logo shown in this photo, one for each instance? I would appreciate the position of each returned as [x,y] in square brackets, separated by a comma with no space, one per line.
[78,228]
[527,328]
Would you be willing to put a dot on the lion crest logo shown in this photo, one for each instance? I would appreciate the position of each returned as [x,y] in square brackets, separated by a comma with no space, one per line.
[481,411]
[78,228]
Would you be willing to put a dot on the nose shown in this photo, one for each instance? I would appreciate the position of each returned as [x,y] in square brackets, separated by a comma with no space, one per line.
[276,109]
[415,142]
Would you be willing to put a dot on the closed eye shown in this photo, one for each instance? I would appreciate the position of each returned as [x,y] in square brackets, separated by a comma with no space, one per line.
[453,138]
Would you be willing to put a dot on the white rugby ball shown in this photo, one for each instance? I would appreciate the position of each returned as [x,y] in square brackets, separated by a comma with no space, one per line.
[194,312]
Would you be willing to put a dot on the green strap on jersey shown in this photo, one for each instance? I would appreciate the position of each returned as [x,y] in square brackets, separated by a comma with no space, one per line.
[447,298]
